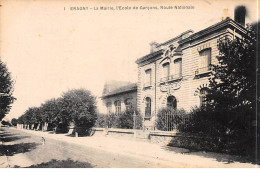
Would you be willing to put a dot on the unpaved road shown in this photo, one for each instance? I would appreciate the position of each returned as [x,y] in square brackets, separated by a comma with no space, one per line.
[21,149]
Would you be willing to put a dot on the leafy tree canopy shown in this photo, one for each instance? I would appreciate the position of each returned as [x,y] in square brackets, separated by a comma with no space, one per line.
[14,121]
[6,90]
[233,82]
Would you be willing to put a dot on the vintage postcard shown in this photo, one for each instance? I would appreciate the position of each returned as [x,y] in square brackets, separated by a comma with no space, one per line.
[129,84]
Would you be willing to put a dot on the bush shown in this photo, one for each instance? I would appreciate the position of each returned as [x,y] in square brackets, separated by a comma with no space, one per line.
[101,121]
[217,122]
[6,123]
[124,121]
[14,122]
[226,131]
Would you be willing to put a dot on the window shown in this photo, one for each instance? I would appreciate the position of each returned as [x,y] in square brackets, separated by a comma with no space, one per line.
[177,69]
[203,97]
[204,61]
[147,107]
[148,77]
[109,108]
[128,104]
[118,107]
[172,102]
[166,69]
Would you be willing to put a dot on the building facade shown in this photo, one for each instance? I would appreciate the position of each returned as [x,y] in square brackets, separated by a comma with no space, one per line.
[176,73]
[119,96]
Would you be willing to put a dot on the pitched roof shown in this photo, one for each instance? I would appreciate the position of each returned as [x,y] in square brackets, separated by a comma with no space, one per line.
[122,89]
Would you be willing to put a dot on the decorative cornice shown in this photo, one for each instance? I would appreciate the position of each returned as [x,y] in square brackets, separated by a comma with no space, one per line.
[197,35]
[213,28]
[149,56]
[176,38]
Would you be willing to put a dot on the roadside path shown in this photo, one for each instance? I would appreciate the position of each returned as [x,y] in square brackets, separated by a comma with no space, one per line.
[153,155]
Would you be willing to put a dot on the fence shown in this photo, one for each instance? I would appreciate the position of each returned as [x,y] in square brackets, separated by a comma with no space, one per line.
[169,121]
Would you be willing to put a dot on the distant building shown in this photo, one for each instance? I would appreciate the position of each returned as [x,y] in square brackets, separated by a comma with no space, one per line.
[175,73]
[119,96]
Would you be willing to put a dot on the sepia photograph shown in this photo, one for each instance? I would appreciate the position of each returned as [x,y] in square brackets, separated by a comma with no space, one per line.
[129,84]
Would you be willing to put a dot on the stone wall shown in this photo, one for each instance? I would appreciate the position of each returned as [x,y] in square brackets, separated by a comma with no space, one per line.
[117,133]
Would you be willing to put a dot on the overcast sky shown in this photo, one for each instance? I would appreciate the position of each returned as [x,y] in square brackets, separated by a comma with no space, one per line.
[50,50]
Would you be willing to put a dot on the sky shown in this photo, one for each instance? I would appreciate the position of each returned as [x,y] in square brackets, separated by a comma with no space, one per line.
[50,50]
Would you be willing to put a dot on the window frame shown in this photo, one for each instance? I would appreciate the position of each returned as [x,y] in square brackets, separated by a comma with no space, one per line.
[173,104]
[117,107]
[128,104]
[178,62]
[202,69]
[148,107]
[203,97]
[148,75]
[166,64]
[109,108]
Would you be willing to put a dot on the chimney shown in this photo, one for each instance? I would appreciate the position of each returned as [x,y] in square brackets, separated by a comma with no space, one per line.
[240,14]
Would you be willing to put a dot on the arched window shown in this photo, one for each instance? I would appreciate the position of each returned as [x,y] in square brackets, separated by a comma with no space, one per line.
[118,107]
[171,102]
[147,107]
[203,97]
[128,104]
[109,108]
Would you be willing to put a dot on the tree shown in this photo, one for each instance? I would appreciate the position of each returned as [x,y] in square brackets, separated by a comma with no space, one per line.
[233,82]
[20,120]
[6,90]
[75,106]
[232,95]
[50,111]
[79,106]
[6,123]
[14,122]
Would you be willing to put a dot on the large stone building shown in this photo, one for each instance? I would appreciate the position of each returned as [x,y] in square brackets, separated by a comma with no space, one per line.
[175,73]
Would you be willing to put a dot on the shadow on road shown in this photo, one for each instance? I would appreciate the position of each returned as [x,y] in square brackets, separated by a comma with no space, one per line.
[61,164]
[5,134]
[10,138]
[10,150]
